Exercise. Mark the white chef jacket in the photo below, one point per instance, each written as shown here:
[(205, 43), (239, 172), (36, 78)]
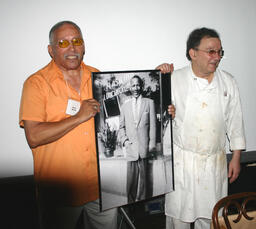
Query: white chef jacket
[(205, 114)]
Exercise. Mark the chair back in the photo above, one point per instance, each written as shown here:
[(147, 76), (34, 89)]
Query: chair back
[(236, 211)]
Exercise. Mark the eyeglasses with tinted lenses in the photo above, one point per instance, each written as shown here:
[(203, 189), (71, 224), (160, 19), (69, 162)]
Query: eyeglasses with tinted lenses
[(212, 52), (74, 41)]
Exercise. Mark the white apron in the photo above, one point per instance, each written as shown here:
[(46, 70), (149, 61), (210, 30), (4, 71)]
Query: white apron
[(200, 167)]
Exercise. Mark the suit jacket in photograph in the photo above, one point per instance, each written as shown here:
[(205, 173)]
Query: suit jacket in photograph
[(142, 134)]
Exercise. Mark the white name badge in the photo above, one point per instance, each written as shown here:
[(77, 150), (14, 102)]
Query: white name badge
[(73, 107)]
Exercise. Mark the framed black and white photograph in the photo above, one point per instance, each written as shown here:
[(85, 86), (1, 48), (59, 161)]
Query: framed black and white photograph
[(133, 135)]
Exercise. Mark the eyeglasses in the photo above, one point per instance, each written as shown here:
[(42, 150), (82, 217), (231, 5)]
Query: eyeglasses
[(212, 52), (74, 41)]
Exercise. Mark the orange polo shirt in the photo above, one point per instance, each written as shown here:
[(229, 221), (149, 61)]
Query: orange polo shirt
[(65, 170)]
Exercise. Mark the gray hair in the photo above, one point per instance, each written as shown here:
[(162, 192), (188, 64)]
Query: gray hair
[(58, 25)]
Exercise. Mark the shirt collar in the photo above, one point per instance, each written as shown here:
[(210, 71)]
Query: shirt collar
[(55, 72), (138, 99), (203, 83)]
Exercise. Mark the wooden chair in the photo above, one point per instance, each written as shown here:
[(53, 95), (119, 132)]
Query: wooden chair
[(238, 212)]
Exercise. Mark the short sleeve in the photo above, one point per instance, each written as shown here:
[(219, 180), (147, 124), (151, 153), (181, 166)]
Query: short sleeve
[(32, 106)]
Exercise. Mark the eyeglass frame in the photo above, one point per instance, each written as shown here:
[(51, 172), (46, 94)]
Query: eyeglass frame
[(70, 42), (212, 52)]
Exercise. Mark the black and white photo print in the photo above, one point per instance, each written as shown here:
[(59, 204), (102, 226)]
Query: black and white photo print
[(134, 163)]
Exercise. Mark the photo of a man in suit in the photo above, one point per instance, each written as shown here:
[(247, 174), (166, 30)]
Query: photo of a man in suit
[(138, 136)]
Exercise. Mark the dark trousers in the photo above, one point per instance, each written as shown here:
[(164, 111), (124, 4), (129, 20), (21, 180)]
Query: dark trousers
[(137, 179)]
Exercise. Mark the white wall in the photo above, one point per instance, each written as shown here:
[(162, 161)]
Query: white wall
[(119, 35)]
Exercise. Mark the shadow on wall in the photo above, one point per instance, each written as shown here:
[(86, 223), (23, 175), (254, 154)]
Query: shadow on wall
[(17, 203)]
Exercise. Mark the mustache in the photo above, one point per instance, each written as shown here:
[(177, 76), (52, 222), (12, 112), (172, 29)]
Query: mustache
[(215, 62), (74, 54)]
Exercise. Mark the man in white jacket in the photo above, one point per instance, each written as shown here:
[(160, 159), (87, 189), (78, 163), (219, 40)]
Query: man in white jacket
[(207, 110)]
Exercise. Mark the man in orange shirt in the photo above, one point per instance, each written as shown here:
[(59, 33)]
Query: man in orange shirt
[(57, 111)]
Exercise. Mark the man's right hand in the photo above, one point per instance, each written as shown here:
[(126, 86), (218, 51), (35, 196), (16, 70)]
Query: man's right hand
[(165, 68), (172, 111), (127, 143), (41, 133), (88, 109)]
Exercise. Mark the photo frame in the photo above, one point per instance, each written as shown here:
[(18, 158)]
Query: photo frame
[(133, 136)]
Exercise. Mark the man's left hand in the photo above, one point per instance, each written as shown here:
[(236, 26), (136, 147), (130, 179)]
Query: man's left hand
[(234, 166)]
